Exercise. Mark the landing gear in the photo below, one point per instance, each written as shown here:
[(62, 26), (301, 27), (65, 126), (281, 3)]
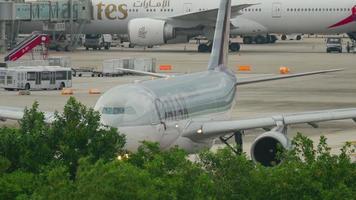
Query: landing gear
[(284, 37), (238, 140), (248, 40), (204, 48), (260, 39), (207, 47), (272, 39), (234, 47)]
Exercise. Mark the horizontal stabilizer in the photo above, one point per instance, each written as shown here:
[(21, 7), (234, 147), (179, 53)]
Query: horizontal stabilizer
[(246, 81)]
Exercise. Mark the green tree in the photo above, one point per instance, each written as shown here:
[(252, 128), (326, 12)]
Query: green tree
[(17, 185), (11, 147), (232, 175), (172, 174), (77, 133), (74, 134), (54, 183), (4, 164), (113, 180)]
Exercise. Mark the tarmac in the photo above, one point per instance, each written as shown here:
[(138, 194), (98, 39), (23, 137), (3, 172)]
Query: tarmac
[(329, 91)]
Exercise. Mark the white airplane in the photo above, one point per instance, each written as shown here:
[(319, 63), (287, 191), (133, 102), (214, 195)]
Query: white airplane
[(155, 22), (193, 110)]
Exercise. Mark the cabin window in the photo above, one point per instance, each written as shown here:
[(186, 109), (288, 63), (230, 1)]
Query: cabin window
[(61, 75), (31, 76), (45, 76), (2, 79), (9, 79)]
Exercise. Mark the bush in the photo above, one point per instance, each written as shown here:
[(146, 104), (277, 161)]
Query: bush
[(75, 158), (75, 134)]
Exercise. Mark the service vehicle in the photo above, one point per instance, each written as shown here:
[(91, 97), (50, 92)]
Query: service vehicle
[(97, 41), (35, 78), (333, 44)]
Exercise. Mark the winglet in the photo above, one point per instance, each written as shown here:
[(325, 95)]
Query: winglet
[(218, 58)]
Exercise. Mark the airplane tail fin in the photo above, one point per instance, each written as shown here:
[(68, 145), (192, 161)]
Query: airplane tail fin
[(218, 58)]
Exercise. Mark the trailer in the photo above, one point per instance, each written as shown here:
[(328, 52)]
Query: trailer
[(62, 61), (35, 78), (112, 67)]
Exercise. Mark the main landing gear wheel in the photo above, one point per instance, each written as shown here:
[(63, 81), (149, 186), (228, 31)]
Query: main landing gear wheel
[(260, 40), (238, 140), (247, 40), (204, 48), (27, 86), (284, 37), (234, 47), (272, 39)]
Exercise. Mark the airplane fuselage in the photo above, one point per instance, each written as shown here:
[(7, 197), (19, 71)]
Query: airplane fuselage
[(158, 110), (268, 16)]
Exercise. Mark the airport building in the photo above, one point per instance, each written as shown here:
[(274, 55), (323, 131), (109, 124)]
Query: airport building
[(57, 17)]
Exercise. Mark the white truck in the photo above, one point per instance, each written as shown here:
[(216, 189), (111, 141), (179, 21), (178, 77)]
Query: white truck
[(97, 41)]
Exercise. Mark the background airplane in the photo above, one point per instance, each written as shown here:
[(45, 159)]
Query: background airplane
[(193, 110), (155, 22)]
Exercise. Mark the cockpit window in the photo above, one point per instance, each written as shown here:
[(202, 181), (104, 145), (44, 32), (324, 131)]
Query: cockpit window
[(118, 110), (127, 105)]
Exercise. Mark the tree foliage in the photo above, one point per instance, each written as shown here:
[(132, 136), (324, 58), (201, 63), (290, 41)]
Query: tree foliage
[(75, 158), (75, 134)]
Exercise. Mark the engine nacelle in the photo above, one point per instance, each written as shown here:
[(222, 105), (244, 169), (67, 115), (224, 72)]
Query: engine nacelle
[(265, 148), (147, 32)]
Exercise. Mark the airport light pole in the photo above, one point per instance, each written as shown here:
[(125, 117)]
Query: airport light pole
[(71, 23), (2, 36)]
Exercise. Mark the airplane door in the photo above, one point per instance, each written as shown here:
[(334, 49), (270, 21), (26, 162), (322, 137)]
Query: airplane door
[(276, 10), (187, 7)]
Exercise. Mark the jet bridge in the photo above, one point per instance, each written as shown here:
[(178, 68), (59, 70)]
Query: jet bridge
[(55, 16)]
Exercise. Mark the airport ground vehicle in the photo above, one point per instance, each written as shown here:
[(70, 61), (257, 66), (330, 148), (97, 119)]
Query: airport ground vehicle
[(333, 44), (113, 67), (97, 41), (35, 78)]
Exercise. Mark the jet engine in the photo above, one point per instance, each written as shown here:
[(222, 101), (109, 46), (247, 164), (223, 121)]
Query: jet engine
[(265, 148), (148, 32)]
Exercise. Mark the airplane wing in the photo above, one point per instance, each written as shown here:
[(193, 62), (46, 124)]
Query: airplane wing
[(12, 113), (199, 131), (246, 81), (210, 14)]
